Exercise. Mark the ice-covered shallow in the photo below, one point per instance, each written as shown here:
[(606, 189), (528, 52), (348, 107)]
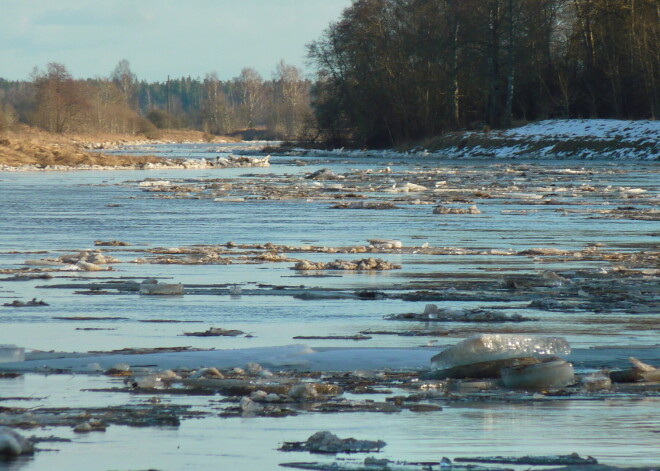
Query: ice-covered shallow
[(62, 212), (301, 357)]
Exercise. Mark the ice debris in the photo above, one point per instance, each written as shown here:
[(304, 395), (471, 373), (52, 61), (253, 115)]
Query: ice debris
[(326, 442), (13, 444), (90, 426), (639, 372), (434, 314), (440, 209), (386, 243), (152, 287), (349, 265), (572, 459), (215, 332), (598, 381), (31, 303)]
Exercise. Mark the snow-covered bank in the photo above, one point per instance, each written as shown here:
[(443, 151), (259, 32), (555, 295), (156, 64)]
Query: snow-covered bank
[(561, 139), (588, 139)]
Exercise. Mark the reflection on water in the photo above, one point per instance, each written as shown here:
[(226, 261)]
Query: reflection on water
[(617, 432)]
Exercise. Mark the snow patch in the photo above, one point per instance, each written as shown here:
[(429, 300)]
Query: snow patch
[(555, 139)]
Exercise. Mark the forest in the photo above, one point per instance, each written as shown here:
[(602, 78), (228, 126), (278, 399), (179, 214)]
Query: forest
[(392, 71), (388, 72), (247, 105)]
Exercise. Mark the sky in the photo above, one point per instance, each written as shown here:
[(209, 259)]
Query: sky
[(178, 38)]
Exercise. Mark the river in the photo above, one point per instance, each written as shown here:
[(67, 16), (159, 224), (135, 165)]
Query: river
[(46, 214)]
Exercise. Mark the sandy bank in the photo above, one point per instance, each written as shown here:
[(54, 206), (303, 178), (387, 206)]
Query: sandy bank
[(32, 149)]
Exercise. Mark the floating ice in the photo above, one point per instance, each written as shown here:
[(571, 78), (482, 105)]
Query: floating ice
[(491, 347), (171, 289), (153, 183), (13, 444), (386, 243)]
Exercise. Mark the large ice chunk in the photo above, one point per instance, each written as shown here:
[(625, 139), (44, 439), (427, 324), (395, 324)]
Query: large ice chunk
[(13, 444), (491, 347)]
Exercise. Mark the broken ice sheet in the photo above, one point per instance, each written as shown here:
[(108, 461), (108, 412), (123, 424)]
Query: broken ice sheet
[(327, 442)]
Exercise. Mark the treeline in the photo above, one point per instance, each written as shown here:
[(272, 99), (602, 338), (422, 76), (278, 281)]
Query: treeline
[(389, 71), (398, 70), (53, 100)]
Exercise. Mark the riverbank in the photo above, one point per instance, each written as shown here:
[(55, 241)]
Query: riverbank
[(27, 148), (30, 149), (580, 139), (560, 139)]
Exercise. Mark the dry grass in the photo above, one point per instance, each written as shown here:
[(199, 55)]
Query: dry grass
[(30, 146)]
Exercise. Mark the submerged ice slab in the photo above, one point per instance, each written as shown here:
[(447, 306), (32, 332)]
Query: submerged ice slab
[(552, 374), (11, 353), (287, 357), (303, 358)]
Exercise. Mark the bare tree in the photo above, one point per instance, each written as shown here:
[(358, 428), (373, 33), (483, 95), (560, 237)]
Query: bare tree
[(125, 80), (250, 93), (216, 116), (288, 110), (61, 101)]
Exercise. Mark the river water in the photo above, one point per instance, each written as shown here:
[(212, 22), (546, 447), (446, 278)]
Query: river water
[(62, 212)]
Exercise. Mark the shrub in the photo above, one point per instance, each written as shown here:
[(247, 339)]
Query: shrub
[(7, 117), (162, 119), (147, 128)]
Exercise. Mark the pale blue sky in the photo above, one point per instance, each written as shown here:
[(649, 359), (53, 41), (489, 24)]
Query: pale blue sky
[(159, 37)]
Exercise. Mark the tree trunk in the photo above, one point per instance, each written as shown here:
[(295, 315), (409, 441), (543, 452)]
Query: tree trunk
[(494, 89), (508, 103), (457, 88)]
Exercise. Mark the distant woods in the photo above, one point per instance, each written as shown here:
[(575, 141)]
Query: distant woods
[(389, 72), (248, 104), (399, 70)]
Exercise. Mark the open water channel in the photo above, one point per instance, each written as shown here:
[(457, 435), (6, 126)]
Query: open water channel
[(47, 214)]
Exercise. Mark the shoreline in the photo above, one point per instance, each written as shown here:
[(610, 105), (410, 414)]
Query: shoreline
[(31, 149), (549, 140), (584, 139), (160, 164), (576, 140)]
